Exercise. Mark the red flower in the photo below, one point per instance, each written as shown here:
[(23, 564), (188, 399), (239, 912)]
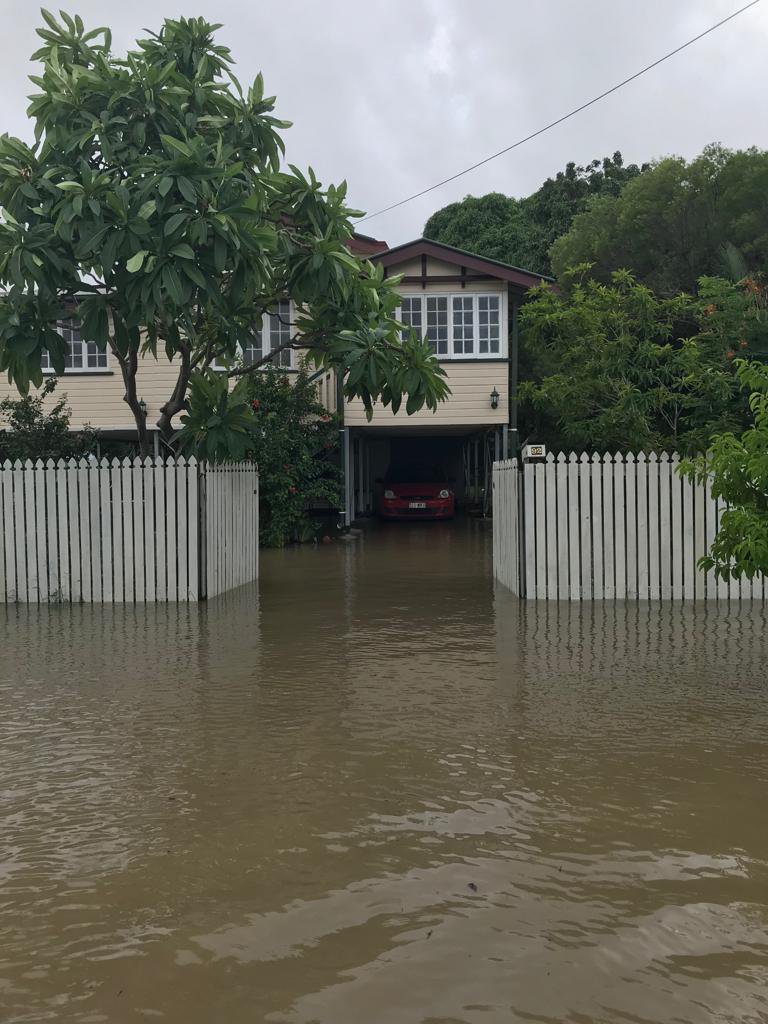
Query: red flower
[(730, 354), (292, 490), (742, 343), (255, 404)]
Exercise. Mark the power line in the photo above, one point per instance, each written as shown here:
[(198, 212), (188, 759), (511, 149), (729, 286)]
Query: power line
[(571, 113)]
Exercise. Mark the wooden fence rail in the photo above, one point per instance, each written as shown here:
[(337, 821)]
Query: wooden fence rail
[(125, 530), (604, 527)]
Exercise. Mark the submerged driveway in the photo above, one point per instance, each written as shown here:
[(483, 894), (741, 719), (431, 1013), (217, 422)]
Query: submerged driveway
[(376, 790)]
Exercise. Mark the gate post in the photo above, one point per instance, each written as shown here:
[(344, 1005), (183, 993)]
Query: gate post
[(202, 532)]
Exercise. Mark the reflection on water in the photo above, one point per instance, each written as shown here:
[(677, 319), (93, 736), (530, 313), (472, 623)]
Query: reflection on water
[(377, 792)]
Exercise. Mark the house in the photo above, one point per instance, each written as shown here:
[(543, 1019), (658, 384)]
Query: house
[(465, 304)]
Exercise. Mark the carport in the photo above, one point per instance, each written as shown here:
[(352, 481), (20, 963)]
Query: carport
[(465, 456)]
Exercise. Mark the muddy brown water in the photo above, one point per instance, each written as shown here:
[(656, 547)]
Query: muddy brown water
[(375, 791)]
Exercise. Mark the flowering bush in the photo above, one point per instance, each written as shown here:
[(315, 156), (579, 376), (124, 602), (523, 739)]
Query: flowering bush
[(295, 443)]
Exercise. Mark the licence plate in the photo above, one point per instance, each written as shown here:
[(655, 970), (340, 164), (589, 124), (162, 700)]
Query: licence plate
[(417, 504)]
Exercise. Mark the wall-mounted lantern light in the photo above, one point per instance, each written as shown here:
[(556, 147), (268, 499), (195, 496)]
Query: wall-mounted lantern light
[(143, 407), (495, 399)]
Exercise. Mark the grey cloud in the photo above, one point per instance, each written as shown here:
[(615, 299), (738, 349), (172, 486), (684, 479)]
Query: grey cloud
[(394, 96)]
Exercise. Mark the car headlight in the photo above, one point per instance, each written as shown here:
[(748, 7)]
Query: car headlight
[(389, 494), (444, 494)]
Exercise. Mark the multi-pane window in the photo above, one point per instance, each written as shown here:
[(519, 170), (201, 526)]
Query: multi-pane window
[(488, 324), (280, 332), (253, 350), (410, 313), (80, 355), (463, 324), (267, 334), (437, 323), (457, 326)]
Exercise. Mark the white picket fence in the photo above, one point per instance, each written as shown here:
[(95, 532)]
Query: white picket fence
[(604, 527), (125, 530)]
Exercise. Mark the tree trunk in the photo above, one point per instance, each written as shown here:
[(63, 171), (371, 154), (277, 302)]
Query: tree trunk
[(178, 398), (128, 367)]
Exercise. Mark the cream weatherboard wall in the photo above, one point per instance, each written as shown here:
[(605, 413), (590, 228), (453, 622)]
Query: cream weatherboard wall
[(96, 397), (469, 403)]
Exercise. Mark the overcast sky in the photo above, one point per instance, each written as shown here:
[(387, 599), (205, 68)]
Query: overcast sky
[(395, 94)]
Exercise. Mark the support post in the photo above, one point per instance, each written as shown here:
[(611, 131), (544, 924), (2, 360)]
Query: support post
[(505, 442), (513, 444), (348, 470)]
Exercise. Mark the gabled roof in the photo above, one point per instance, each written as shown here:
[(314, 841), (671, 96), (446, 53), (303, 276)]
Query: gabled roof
[(450, 254)]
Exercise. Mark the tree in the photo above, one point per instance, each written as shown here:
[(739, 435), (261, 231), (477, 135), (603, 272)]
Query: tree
[(676, 223), (521, 231), (153, 202), (615, 367), (32, 433), (737, 469)]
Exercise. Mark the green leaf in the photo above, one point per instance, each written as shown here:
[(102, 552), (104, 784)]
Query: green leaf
[(136, 261), (186, 252), (147, 209), (176, 144), (174, 222)]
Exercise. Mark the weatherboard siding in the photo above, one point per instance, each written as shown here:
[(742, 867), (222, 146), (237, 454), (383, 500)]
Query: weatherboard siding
[(469, 403)]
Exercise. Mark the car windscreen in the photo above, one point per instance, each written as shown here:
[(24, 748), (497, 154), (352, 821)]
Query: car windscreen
[(416, 474)]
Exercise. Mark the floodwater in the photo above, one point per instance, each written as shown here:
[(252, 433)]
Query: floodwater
[(375, 791)]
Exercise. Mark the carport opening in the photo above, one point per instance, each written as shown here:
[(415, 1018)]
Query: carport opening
[(461, 461)]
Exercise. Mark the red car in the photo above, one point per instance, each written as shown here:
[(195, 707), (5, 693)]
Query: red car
[(416, 496)]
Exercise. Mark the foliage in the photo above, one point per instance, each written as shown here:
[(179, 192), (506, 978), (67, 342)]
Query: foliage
[(153, 198), (32, 433), (677, 222), (218, 424), (616, 367), (296, 448), (275, 419), (521, 231), (737, 467)]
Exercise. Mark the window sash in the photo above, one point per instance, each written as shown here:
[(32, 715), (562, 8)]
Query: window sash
[(274, 329), (81, 356), (463, 326)]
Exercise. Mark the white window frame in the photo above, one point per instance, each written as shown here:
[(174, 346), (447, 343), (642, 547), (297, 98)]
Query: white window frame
[(267, 333), (87, 349), (475, 354)]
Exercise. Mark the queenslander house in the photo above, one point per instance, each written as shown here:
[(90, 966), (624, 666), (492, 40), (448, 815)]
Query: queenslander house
[(465, 305)]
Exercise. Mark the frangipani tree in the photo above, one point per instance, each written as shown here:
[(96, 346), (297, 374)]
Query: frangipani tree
[(153, 201)]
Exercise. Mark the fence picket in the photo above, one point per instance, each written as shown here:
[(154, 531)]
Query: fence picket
[(620, 473), (20, 538), (171, 546), (9, 546), (192, 531), (562, 534), (574, 511), (30, 530), (665, 529), (528, 531), (598, 545), (585, 503), (631, 531), (643, 556), (181, 529), (41, 532), (551, 520)]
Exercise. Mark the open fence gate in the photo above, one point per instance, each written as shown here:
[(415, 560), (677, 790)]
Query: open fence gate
[(604, 527)]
